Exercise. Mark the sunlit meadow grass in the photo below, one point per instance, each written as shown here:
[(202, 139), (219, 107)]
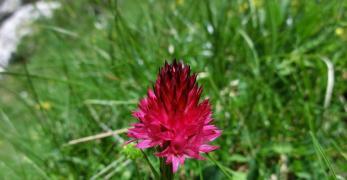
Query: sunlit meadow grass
[(263, 64)]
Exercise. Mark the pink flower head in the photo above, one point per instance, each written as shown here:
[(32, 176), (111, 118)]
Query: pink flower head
[(172, 118)]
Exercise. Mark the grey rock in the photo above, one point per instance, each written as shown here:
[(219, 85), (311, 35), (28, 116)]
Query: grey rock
[(17, 25)]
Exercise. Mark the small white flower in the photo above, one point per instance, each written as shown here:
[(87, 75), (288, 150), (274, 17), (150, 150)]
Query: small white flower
[(171, 49), (210, 28)]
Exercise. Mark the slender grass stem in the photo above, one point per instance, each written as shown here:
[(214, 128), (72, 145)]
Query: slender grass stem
[(155, 173)]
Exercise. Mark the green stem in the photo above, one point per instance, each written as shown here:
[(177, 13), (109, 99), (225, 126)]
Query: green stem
[(165, 170)]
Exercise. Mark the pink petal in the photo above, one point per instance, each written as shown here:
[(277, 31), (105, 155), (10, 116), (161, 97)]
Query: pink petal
[(207, 148), (138, 135), (209, 128), (143, 103), (138, 114), (169, 159), (210, 132), (181, 158), (216, 134), (175, 163), (151, 94), (138, 132), (166, 135), (193, 154), (145, 144), (164, 153)]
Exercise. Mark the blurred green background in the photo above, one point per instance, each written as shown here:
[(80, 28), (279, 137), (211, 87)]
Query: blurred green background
[(263, 64)]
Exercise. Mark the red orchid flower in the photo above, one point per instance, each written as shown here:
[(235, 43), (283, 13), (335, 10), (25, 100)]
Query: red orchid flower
[(173, 119)]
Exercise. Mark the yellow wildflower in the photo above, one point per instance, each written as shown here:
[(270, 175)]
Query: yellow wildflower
[(44, 105), (295, 3), (257, 3), (243, 7), (179, 2), (339, 31), (344, 75)]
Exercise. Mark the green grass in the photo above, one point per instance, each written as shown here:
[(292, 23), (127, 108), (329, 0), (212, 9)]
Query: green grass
[(260, 63)]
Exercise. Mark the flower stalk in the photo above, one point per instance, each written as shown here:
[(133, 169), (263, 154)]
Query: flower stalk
[(165, 170)]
